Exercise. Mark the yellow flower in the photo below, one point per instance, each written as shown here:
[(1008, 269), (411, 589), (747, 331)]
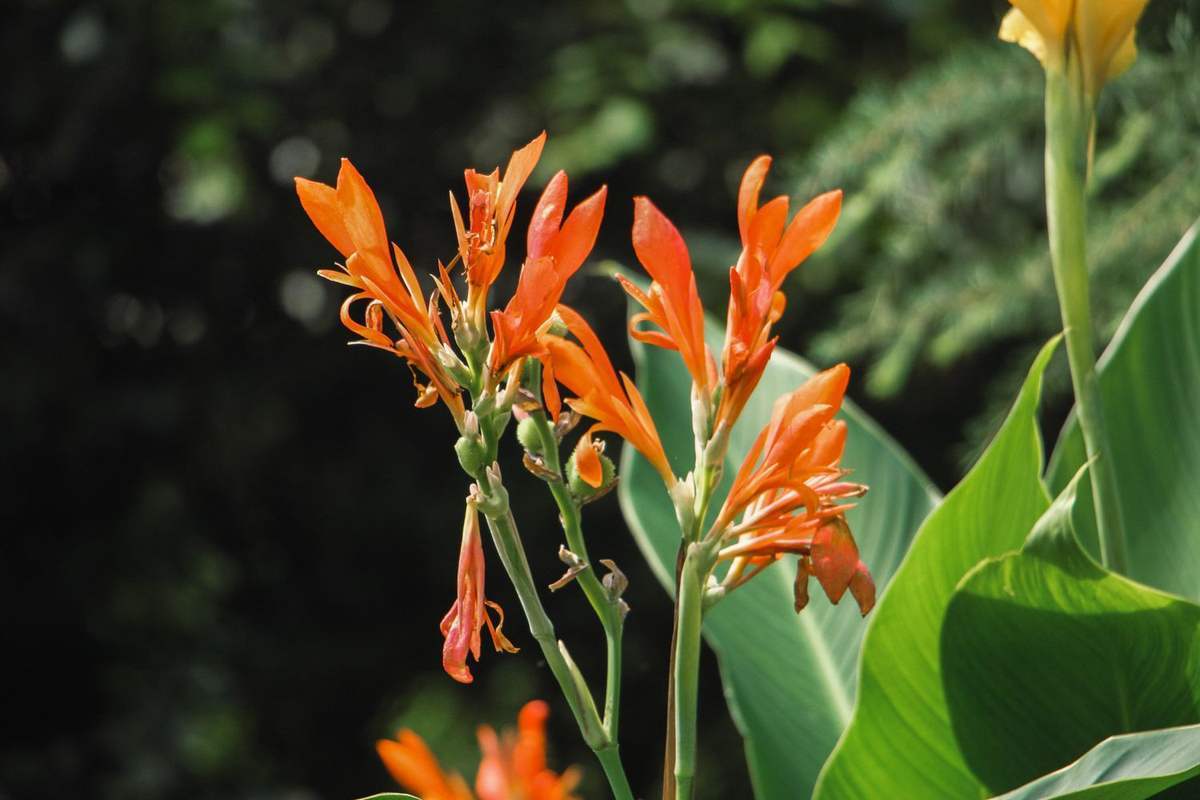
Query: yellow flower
[(1093, 37)]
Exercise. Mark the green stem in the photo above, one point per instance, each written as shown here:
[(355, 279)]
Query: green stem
[(607, 608), (610, 760), (687, 668), (1068, 131)]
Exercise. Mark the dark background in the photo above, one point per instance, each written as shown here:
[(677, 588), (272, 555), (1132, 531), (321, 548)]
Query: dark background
[(226, 540)]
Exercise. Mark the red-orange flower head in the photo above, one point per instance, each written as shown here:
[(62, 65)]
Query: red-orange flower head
[(789, 493), (615, 403), (514, 767), (491, 204), (465, 620), (672, 304), (349, 217), (416, 769), (771, 248), (555, 251)]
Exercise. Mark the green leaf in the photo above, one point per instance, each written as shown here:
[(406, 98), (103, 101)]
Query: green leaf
[(1045, 654), (1129, 767), (789, 678), (392, 796), (900, 737), (1150, 385)]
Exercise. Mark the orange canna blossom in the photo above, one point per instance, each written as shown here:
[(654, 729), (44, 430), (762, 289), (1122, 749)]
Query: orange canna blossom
[(789, 493), (513, 765), (672, 303), (349, 217), (465, 620), (415, 768), (555, 251), (491, 204), (615, 403), (514, 768), (771, 249)]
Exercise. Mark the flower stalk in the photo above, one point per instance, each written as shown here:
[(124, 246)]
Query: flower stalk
[(1069, 117)]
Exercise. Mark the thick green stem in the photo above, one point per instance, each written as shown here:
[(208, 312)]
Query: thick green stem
[(1068, 130), (687, 668)]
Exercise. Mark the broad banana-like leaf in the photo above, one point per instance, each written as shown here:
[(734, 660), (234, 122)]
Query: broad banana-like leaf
[(789, 679)]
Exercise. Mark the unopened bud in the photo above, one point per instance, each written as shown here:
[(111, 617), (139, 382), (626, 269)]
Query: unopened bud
[(528, 434), (583, 489), (471, 453)]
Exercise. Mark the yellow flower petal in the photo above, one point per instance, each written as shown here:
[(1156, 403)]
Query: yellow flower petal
[(1124, 58), (1017, 28)]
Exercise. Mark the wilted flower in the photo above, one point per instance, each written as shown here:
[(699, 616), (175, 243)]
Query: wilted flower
[(466, 618)]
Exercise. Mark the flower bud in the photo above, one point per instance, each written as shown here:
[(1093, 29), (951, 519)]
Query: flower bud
[(471, 454), (528, 435), (590, 473)]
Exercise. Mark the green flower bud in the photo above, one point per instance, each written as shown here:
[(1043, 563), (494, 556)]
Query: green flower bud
[(471, 454), (528, 436)]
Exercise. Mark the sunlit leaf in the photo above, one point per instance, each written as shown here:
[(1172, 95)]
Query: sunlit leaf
[(900, 737)]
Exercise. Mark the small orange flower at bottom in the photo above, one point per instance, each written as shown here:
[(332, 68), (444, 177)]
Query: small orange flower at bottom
[(513, 765), (465, 620), (414, 767)]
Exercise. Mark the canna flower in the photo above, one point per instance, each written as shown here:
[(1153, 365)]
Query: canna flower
[(491, 204), (415, 768), (672, 303), (789, 494), (514, 767), (1095, 38), (349, 217), (771, 249), (463, 622), (615, 404), (555, 251)]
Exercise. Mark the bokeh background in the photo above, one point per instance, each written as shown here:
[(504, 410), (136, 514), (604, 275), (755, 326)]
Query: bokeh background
[(226, 539)]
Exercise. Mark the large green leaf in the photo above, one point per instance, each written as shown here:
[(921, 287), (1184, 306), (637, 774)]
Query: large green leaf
[(789, 678), (1150, 383), (391, 796), (1045, 654), (1129, 767), (900, 741)]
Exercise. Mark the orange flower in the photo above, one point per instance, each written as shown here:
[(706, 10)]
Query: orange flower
[(673, 304), (415, 768), (491, 204), (614, 403), (463, 622), (515, 768), (555, 251), (771, 249), (789, 492), (349, 217)]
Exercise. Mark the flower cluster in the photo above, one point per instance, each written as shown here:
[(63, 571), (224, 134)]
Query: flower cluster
[(513, 765)]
